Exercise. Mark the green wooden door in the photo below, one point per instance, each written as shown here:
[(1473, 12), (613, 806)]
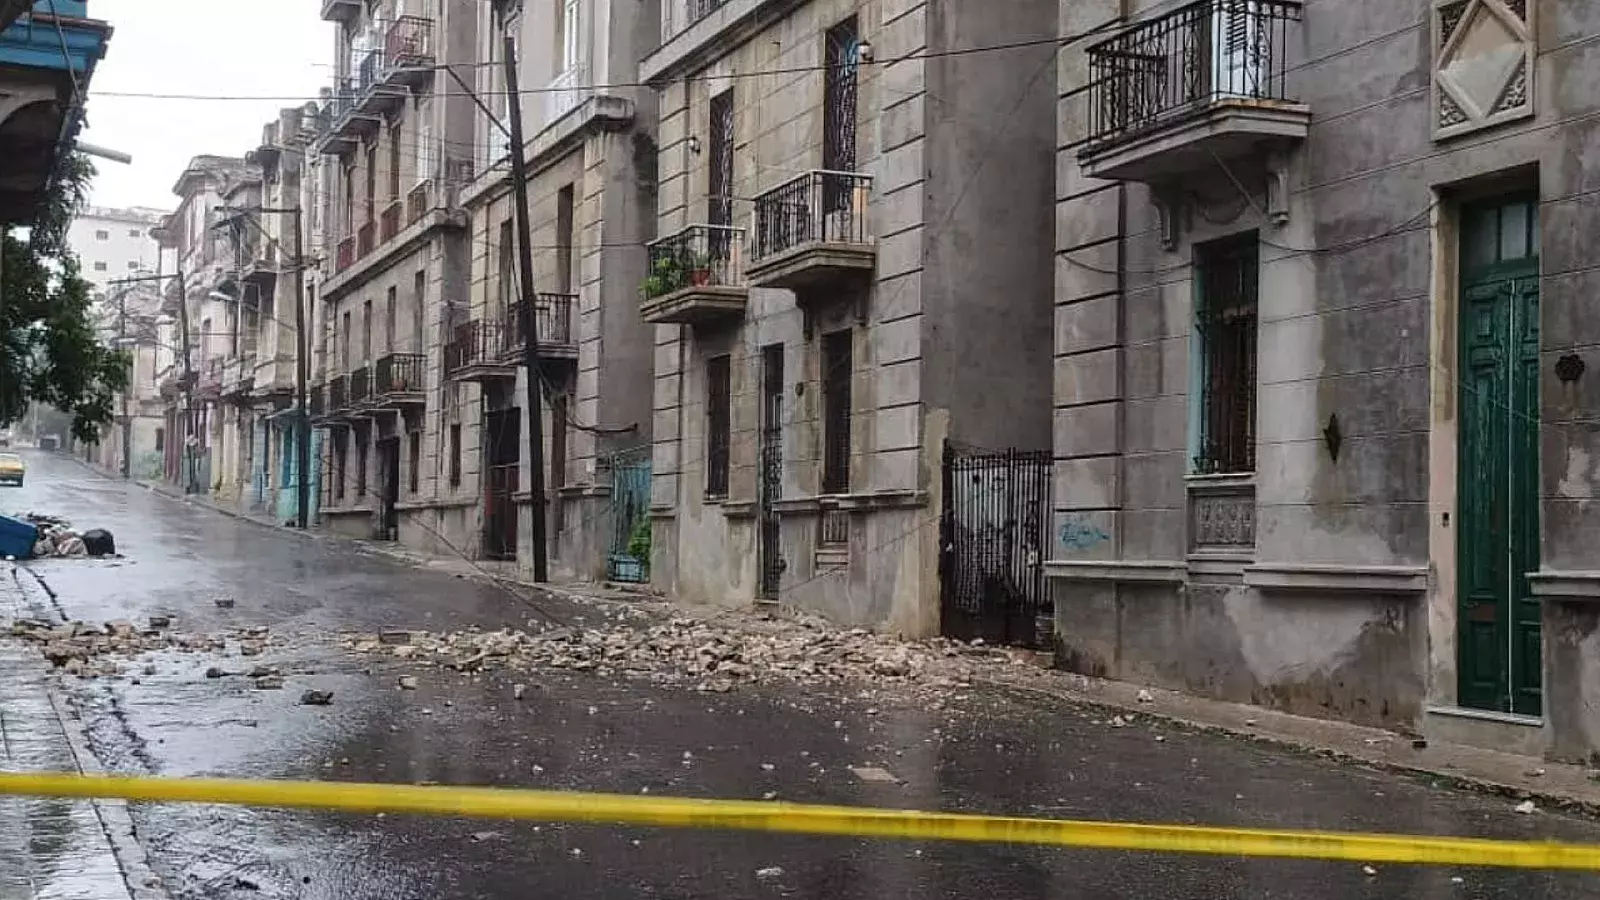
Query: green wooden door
[(1499, 653)]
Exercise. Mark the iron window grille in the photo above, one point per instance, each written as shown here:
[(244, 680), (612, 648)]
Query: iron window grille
[(719, 415), (719, 203), (1228, 275), (841, 58), (837, 364)]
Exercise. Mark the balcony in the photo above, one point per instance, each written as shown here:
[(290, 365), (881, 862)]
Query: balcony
[(564, 93), (389, 221), (347, 254), (552, 315), (238, 375), (360, 387), (418, 201), (473, 353), (408, 53), (811, 234), (341, 10), (366, 238), (696, 276), (398, 380), (679, 16), (208, 385), (338, 391), (357, 113), (317, 395), (1209, 81), (332, 138)]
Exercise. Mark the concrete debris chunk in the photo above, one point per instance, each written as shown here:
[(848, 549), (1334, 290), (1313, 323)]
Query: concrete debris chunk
[(316, 698)]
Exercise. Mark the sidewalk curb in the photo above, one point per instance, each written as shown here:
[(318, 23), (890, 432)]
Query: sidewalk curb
[(1279, 734), (115, 822)]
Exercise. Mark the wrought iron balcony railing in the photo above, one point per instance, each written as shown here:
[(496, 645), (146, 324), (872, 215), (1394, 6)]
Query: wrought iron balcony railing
[(698, 256), (360, 385), (552, 316), (399, 373), (817, 207), (409, 42), (471, 343), (1171, 68), (338, 393)]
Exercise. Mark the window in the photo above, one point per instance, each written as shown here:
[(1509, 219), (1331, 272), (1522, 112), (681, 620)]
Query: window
[(841, 55), (506, 266), (424, 138), (134, 233), (1227, 277), (99, 267), (361, 467), (372, 183), (719, 200), (455, 455), (415, 452), (395, 131), (349, 223), (133, 265), (564, 227), (344, 344), (102, 235), (391, 318), (366, 331), (161, 439), (719, 414), (419, 298), (837, 365), (567, 35)]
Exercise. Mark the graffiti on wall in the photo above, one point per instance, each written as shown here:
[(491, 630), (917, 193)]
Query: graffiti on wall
[(1079, 533)]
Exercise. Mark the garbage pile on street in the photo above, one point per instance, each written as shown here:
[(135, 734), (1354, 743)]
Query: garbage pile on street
[(56, 537), (713, 655)]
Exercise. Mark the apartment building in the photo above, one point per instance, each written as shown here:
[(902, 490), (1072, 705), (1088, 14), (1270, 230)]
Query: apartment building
[(395, 139), (132, 444), (589, 156), (849, 288), (1322, 438), (271, 278), (205, 324), (115, 243)]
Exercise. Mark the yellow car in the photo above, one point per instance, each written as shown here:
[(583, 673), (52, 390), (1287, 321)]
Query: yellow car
[(12, 469)]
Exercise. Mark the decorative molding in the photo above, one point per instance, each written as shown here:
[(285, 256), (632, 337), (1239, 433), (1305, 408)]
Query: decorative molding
[(1222, 513), (739, 509), (1283, 576), (1566, 584), (1483, 64), (1157, 571)]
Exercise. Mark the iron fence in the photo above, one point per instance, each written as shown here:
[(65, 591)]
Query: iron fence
[(399, 373), (339, 393), (698, 256), (1177, 65), (819, 206)]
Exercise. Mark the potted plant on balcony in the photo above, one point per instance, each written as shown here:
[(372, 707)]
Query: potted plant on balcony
[(700, 270), (666, 276)]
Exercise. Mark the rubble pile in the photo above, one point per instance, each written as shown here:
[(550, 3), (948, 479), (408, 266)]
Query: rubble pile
[(713, 655), (79, 648)]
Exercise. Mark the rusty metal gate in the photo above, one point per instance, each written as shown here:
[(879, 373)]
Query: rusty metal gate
[(992, 532), (502, 458)]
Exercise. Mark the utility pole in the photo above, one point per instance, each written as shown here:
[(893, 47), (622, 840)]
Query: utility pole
[(530, 336), (302, 374), (191, 472), (133, 378)]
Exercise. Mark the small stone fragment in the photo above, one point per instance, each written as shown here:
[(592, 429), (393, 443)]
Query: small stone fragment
[(1145, 696), (316, 698), (224, 603), (160, 621), (1368, 871), (394, 637), (407, 682), (269, 683), (215, 672), (517, 690), (1525, 807), (769, 873)]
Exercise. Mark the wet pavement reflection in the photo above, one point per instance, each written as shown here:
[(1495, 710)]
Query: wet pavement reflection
[(986, 751)]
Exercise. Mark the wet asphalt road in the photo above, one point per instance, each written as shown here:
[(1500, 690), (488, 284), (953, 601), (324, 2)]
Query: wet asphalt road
[(987, 752)]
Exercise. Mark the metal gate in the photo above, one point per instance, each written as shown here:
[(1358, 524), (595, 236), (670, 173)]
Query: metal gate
[(993, 529), (502, 455), (771, 476), (628, 558)]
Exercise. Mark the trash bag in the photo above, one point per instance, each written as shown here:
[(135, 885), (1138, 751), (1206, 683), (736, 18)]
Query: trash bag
[(99, 542), (71, 546)]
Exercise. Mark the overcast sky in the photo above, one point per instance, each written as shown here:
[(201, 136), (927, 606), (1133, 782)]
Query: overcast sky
[(234, 48)]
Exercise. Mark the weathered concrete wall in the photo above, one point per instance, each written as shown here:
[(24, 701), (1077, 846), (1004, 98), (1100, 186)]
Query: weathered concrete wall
[(1359, 320)]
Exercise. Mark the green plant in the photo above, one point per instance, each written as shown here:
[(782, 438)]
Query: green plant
[(666, 275), (639, 539)]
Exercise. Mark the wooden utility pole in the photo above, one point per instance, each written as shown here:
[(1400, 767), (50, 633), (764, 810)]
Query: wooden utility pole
[(530, 335)]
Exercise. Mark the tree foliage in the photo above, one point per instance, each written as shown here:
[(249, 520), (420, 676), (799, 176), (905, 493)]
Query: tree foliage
[(49, 352)]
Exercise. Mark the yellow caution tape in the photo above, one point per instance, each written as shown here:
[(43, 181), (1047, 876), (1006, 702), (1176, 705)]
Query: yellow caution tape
[(795, 818)]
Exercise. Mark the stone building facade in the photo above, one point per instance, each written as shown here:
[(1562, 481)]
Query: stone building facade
[(590, 213), (395, 137), (848, 273), (1322, 429)]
